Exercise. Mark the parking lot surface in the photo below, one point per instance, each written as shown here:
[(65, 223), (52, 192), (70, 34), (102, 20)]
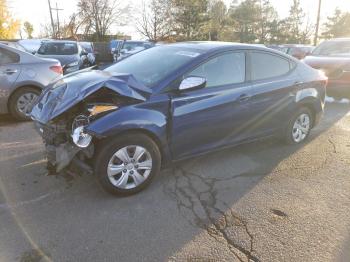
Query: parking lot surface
[(263, 201)]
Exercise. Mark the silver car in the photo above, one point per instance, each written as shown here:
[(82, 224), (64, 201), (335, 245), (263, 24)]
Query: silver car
[(22, 77)]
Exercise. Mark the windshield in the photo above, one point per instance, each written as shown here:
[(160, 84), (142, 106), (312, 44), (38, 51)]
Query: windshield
[(52, 48), (154, 64), (334, 48)]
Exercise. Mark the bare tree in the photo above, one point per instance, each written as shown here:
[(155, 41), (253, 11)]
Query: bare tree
[(155, 21), (98, 16), (70, 29)]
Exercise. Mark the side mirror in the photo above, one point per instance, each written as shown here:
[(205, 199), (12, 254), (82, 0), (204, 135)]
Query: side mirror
[(193, 82)]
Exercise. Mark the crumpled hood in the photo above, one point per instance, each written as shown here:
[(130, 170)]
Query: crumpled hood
[(70, 90)]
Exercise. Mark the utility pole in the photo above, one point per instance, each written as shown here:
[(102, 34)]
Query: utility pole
[(318, 22), (52, 24), (58, 20)]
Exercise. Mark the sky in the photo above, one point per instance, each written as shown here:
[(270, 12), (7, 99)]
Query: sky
[(37, 11)]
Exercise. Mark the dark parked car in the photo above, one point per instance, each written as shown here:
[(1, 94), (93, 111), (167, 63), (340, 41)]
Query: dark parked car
[(333, 58), (172, 102), (90, 53), (297, 51), (126, 48), (69, 53)]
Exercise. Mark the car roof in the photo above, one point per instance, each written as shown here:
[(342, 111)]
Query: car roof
[(60, 41), (296, 45), (209, 46), (341, 39), (136, 41)]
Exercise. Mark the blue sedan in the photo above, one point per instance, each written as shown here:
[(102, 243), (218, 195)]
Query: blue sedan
[(173, 102)]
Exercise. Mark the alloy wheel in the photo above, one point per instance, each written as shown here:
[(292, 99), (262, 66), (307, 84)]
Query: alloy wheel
[(301, 128), (25, 103), (129, 167)]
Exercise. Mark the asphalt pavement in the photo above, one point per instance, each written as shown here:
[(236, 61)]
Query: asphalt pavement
[(264, 201)]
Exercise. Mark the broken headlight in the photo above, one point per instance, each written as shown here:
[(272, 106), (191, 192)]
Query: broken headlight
[(98, 109), (79, 136)]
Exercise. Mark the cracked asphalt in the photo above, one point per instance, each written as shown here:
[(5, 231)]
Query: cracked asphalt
[(263, 201)]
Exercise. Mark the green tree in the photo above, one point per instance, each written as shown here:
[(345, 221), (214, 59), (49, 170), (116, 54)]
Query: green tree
[(254, 21), (337, 25), (267, 22), (28, 28), (9, 27), (218, 20), (189, 18), (296, 29), (245, 20)]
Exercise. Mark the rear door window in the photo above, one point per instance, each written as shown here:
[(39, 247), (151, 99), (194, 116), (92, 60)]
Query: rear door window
[(8, 57), (265, 65), (58, 48)]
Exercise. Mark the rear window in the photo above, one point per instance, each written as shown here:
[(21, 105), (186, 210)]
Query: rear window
[(58, 49), (8, 57), (264, 66)]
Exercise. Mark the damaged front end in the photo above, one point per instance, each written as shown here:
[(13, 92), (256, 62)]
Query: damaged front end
[(66, 109), (65, 147)]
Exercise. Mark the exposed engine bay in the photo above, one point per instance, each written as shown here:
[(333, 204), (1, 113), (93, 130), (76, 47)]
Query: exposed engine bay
[(67, 143), (65, 137)]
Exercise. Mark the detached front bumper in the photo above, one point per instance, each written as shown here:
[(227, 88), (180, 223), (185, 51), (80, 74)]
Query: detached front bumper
[(61, 153)]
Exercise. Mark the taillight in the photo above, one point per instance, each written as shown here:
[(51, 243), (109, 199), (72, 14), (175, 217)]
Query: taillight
[(57, 69)]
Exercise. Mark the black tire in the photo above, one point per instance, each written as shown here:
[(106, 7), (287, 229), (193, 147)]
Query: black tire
[(108, 148), (289, 130), (12, 104)]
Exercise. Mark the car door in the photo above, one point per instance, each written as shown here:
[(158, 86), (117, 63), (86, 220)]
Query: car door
[(9, 70), (274, 85), (211, 117)]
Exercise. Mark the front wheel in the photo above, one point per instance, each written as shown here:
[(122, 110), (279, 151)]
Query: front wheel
[(127, 164), (299, 127)]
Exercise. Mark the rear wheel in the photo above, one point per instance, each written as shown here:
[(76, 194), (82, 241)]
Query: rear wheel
[(127, 164), (22, 101), (299, 127)]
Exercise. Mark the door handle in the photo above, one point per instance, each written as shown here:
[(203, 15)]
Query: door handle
[(298, 83), (243, 98), (10, 71)]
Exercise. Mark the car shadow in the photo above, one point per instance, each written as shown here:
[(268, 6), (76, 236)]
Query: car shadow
[(186, 199), (6, 119), (206, 188)]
